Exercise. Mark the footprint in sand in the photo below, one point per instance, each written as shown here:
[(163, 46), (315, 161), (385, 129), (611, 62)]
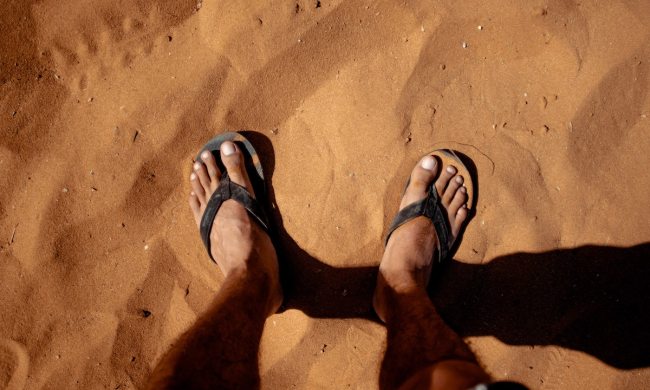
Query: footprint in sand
[(104, 38), (14, 365)]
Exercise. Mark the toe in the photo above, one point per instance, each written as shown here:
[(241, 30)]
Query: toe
[(459, 199), (421, 178), (461, 216), (211, 165), (198, 189), (195, 205), (451, 190), (233, 159), (202, 173), (444, 178)]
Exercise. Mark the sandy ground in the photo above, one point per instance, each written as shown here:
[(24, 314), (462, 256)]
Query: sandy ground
[(103, 105)]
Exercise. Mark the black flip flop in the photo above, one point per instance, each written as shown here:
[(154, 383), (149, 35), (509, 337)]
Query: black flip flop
[(431, 208), (227, 189)]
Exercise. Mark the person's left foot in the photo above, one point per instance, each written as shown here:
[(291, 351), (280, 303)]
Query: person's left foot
[(238, 244), (408, 257)]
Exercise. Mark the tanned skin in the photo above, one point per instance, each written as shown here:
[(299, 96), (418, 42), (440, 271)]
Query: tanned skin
[(221, 349)]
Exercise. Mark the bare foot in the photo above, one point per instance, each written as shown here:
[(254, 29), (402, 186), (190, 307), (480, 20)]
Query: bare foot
[(408, 257), (238, 244)]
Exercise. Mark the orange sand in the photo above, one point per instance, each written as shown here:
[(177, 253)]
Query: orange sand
[(104, 104)]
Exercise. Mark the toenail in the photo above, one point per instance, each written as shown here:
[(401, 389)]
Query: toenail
[(228, 148), (428, 163), (459, 180), (193, 177), (451, 169), (197, 166), (205, 155), (463, 190)]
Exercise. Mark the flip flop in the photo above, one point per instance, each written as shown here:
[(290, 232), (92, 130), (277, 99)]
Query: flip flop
[(431, 207), (228, 189)]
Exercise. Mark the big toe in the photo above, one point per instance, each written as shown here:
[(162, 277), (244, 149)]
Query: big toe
[(233, 160), (421, 178)]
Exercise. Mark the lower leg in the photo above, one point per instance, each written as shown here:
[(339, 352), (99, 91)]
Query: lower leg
[(221, 349), (422, 351)]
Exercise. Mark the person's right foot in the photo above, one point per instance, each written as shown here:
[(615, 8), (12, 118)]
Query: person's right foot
[(238, 244), (408, 257)]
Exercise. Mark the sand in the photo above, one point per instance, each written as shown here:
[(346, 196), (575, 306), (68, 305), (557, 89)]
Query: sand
[(104, 104)]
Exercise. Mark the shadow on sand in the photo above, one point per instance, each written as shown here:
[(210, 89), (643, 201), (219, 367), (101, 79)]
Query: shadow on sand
[(592, 299)]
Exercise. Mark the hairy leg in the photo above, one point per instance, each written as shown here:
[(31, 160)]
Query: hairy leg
[(221, 349), (422, 351)]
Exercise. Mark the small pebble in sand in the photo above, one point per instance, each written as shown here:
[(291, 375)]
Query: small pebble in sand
[(146, 247), (64, 190), (443, 66), (465, 45), (479, 27), (422, 28)]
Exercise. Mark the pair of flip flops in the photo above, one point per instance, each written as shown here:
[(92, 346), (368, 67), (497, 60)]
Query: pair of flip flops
[(429, 207)]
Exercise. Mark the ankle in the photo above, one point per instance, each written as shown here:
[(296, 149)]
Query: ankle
[(256, 260), (394, 291), (260, 274), (401, 280), (247, 272)]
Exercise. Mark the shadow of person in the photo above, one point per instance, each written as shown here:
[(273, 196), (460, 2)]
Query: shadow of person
[(592, 299)]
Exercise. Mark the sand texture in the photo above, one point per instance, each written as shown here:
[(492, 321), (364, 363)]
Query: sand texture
[(103, 105)]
